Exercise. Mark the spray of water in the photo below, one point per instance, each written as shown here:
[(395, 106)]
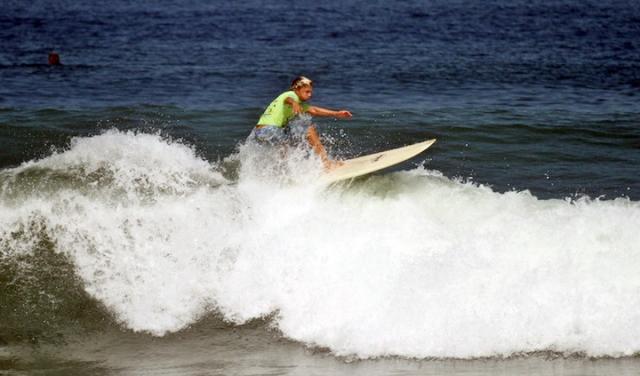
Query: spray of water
[(408, 264)]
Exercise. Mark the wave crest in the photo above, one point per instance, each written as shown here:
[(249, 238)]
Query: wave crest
[(408, 264)]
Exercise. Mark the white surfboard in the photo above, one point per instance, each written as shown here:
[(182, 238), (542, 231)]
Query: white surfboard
[(373, 162)]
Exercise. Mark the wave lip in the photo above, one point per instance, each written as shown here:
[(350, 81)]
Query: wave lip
[(409, 264), (438, 268)]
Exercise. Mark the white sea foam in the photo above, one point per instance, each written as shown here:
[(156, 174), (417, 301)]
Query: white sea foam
[(410, 264)]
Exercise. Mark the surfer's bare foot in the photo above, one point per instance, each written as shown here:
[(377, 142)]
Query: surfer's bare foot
[(332, 164)]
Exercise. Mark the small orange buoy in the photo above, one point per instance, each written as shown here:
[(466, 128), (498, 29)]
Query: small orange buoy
[(54, 58)]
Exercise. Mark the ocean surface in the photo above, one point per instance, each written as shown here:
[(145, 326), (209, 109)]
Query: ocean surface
[(140, 233)]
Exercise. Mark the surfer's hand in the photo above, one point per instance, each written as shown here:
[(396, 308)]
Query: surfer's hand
[(343, 114), (297, 109)]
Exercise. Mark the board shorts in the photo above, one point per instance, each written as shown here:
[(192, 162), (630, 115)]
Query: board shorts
[(271, 135)]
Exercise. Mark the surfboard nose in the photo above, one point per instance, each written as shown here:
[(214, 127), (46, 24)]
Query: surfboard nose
[(352, 168)]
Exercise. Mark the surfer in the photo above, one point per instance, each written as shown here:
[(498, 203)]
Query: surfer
[(272, 127)]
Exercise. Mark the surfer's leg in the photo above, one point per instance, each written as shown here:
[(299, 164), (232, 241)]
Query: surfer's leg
[(314, 140)]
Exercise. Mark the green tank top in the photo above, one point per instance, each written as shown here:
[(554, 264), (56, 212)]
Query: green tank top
[(278, 113)]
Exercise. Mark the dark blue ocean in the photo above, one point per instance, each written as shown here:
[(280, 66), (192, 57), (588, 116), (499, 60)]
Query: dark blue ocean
[(538, 95), (134, 219)]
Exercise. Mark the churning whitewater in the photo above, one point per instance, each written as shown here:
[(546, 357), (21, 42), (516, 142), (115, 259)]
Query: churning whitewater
[(410, 264)]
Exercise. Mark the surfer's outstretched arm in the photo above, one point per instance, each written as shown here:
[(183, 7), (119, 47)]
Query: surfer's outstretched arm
[(319, 111)]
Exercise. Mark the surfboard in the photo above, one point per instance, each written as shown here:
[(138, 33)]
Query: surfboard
[(352, 168)]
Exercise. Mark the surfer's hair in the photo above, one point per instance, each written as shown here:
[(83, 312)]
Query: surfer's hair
[(300, 81)]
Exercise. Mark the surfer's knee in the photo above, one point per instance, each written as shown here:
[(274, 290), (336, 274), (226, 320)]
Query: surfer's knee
[(312, 133)]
